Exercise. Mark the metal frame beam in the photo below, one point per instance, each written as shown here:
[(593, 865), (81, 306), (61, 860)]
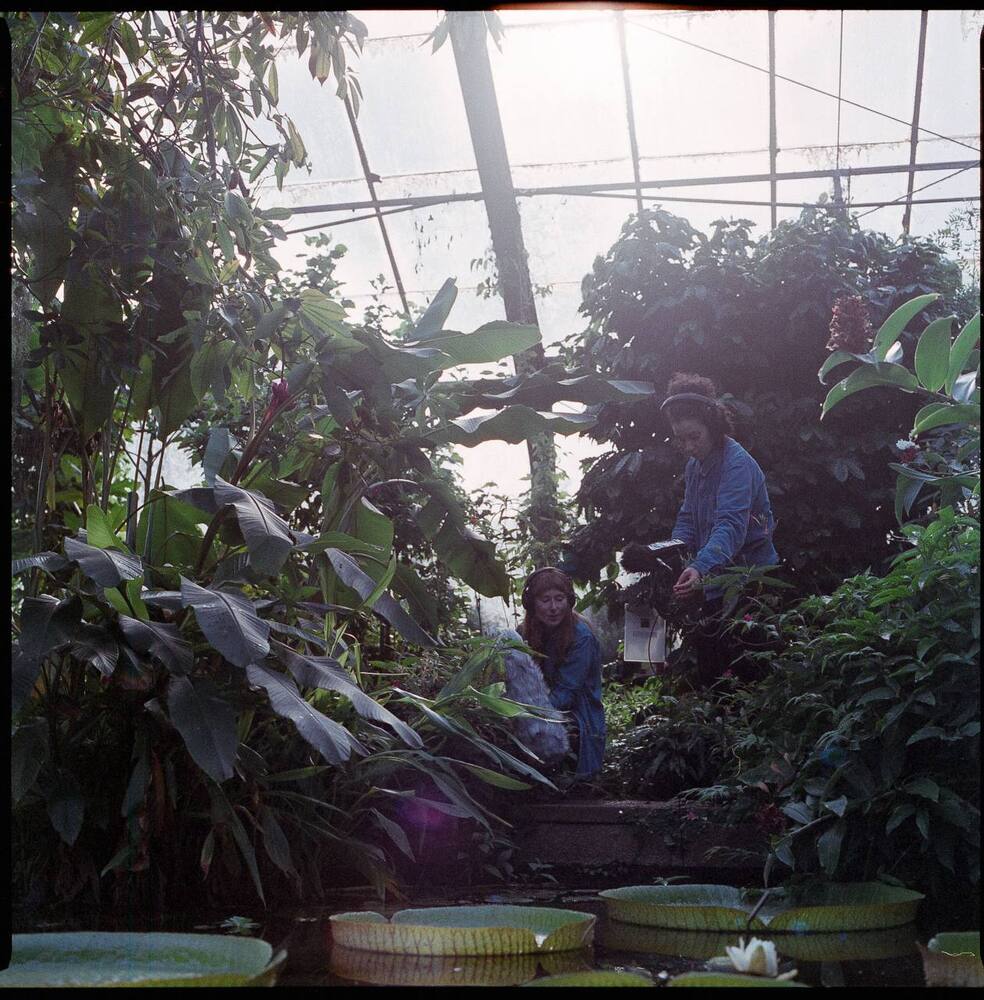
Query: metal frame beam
[(422, 201), (773, 140), (629, 109), (375, 204), (920, 62)]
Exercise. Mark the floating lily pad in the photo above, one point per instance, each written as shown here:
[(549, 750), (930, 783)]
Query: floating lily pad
[(383, 969), (93, 958), (953, 959), (598, 977), (727, 979), (683, 907), (848, 907), (465, 930), (824, 907)]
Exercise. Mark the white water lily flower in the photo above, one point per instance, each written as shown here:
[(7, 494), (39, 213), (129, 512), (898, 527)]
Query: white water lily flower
[(757, 958)]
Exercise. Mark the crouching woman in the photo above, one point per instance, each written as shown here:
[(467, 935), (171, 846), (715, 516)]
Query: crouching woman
[(571, 661)]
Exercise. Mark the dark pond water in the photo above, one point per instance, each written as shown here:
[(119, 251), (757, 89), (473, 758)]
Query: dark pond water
[(869, 958)]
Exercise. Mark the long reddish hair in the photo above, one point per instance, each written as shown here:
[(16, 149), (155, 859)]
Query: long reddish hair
[(533, 631)]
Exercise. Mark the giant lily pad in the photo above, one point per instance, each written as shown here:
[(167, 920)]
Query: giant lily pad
[(597, 977), (953, 959), (95, 958), (823, 907), (382, 969), (465, 930), (728, 979)]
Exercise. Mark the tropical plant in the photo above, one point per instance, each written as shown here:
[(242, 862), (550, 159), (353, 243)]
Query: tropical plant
[(866, 732), (190, 668), (945, 463), (668, 298)]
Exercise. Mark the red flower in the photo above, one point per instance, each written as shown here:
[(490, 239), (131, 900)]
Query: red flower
[(280, 393), (770, 819), (850, 328), (908, 450)]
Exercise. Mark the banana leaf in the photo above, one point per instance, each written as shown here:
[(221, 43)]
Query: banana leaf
[(91, 958), (465, 930)]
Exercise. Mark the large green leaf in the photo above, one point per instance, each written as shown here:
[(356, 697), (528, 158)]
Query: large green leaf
[(207, 724), (943, 414), (966, 341), (172, 390), (50, 562), (490, 342), (892, 328), (91, 307), (95, 646), (513, 424), (432, 322), (47, 623), (373, 527), (325, 672), (48, 229), (107, 567), (28, 754), (66, 808), (353, 576), (933, 353), (267, 535), (866, 377), (418, 596), (229, 622), (333, 741), (542, 389), (162, 641), (98, 958), (465, 930), (472, 559)]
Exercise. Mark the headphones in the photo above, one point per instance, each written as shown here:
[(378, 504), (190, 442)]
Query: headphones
[(693, 396), (527, 596)]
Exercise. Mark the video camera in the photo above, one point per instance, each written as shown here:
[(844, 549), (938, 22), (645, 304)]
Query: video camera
[(662, 562)]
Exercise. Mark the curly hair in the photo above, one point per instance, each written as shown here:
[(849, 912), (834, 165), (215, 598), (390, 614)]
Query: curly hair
[(714, 415)]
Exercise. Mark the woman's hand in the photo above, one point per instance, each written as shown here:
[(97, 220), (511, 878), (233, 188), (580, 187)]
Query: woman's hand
[(688, 584)]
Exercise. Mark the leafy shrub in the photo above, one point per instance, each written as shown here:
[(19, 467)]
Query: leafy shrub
[(866, 731), (684, 746)]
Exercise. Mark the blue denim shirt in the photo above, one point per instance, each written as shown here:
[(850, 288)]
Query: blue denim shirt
[(726, 517), (576, 687)]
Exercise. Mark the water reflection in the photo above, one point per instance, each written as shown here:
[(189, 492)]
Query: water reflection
[(381, 969), (839, 946)]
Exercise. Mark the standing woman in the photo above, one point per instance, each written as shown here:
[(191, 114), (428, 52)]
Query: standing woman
[(572, 660), (726, 517)]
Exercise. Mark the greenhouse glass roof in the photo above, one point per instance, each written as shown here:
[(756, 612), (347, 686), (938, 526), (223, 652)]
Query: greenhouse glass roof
[(701, 130)]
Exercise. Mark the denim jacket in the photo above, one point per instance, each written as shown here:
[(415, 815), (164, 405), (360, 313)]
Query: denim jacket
[(576, 687), (726, 517)]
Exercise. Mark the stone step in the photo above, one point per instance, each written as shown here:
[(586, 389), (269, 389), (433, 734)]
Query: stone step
[(671, 835)]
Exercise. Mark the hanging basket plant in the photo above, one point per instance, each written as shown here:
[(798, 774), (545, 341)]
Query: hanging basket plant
[(95, 958), (824, 907), (465, 930)]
